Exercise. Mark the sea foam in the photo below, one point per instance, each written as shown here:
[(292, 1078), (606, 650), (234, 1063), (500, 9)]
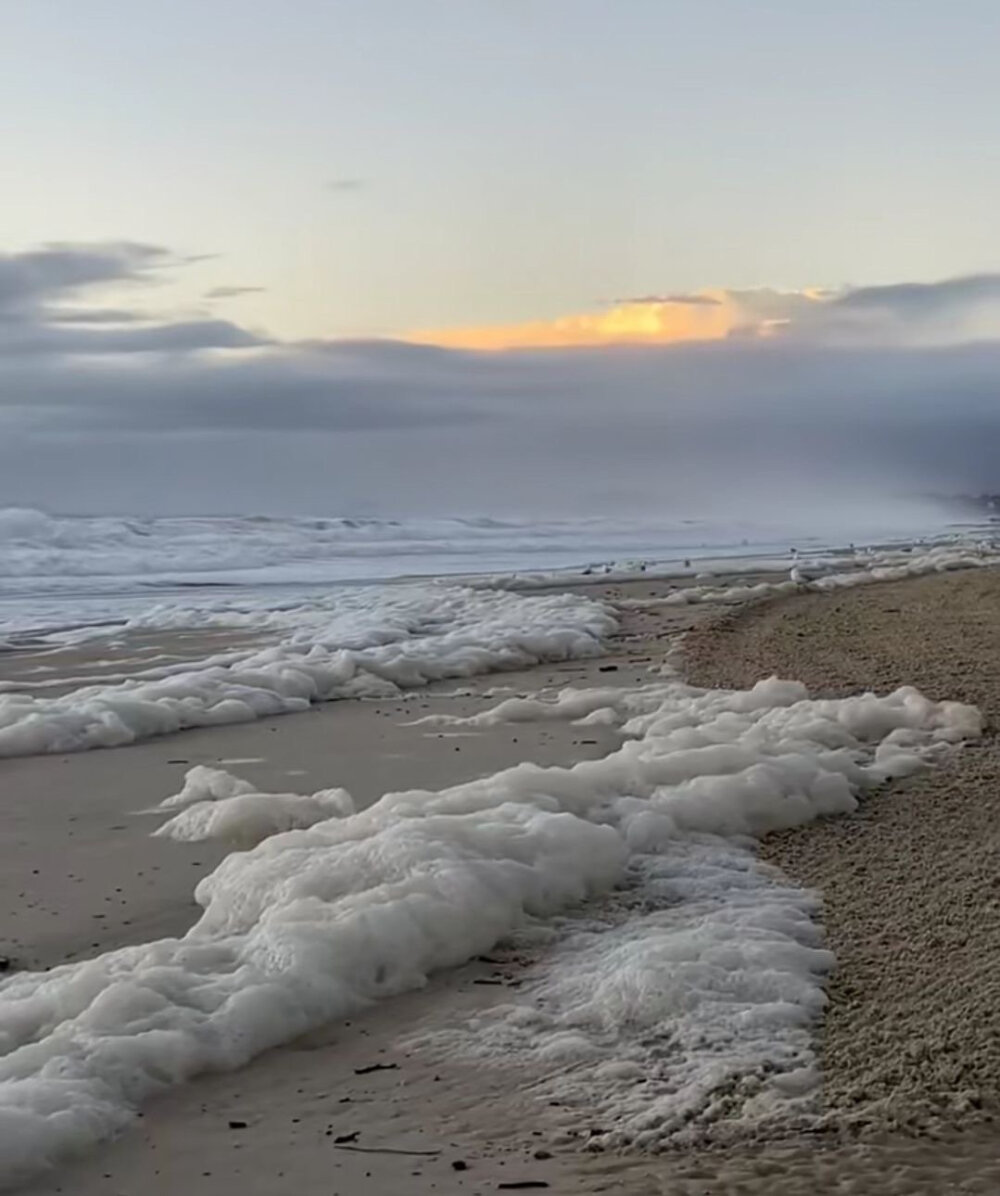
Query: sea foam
[(367, 643), (711, 956)]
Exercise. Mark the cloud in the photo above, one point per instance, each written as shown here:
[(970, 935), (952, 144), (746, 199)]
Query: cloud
[(185, 336), (922, 300), (36, 284), (709, 316), (34, 278), (943, 312), (345, 184), (951, 311), (232, 292), (694, 299), (94, 315), (755, 397), (393, 428)]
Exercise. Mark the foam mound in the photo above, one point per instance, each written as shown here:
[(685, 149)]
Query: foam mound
[(229, 810), (313, 924)]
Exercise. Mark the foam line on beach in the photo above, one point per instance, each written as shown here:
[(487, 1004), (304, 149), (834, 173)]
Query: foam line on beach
[(841, 570), (373, 644)]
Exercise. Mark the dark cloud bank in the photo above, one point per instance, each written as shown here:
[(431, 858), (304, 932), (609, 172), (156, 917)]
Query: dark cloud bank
[(103, 409)]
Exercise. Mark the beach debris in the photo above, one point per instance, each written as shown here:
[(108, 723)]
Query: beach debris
[(364, 1071), (237, 1125), (520, 1184), (541, 1155), (459, 1165), (343, 1138)]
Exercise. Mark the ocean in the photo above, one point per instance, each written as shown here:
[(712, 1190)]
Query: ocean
[(60, 572)]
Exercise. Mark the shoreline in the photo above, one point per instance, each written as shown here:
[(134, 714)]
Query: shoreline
[(688, 565), (147, 682), (906, 1043), (305, 749)]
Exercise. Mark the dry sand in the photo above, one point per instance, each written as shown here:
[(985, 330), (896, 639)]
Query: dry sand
[(909, 1045)]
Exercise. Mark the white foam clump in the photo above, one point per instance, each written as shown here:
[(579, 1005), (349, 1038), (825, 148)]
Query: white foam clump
[(227, 809), (364, 645), (313, 924), (202, 783)]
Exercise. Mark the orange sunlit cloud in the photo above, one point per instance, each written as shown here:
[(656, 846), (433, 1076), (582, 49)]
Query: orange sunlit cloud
[(706, 316)]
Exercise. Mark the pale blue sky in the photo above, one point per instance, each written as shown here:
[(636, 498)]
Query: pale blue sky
[(519, 159)]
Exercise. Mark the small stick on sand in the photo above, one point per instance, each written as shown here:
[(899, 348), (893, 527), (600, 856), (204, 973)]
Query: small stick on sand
[(364, 1071)]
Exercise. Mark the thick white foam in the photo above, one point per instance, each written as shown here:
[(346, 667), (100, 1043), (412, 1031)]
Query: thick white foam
[(312, 924), (225, 808), (366, 643)]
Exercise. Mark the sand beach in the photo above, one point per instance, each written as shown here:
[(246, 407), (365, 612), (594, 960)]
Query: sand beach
[(906, 1045)]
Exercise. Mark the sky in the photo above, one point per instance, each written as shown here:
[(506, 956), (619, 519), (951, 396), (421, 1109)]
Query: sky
[(531, 255)]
